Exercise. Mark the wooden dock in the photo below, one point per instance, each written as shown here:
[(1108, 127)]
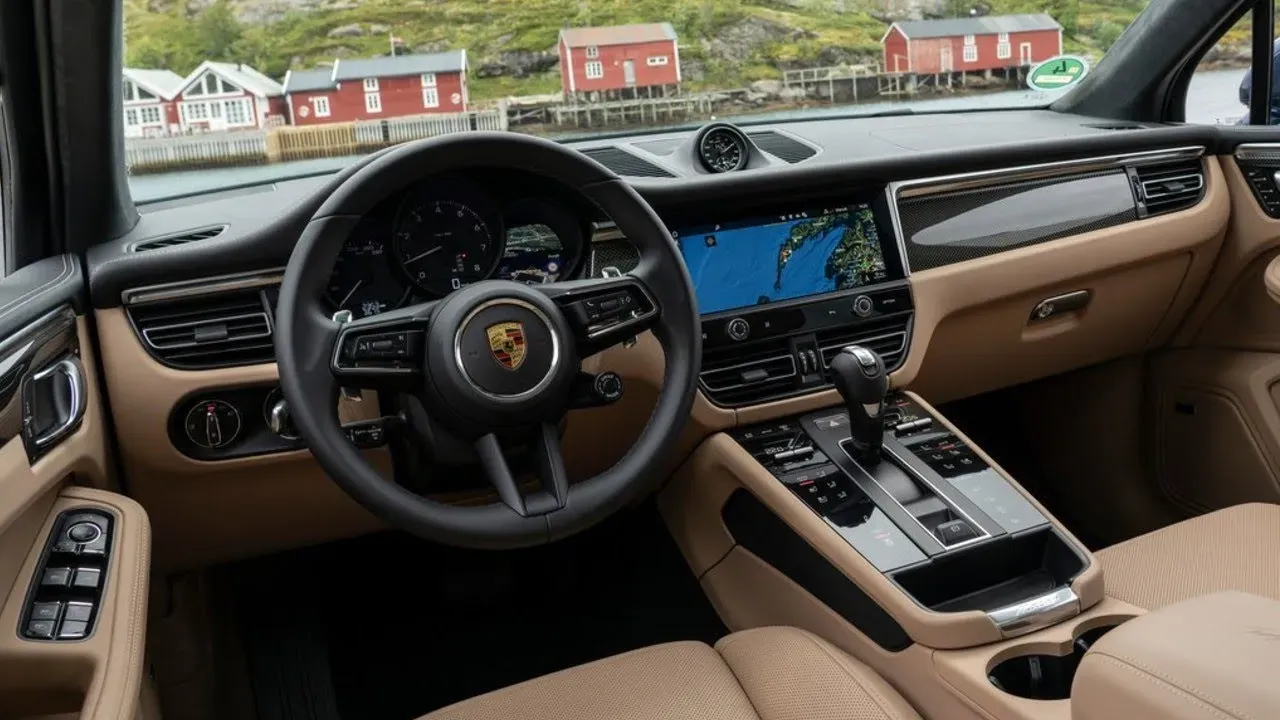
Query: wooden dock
[(635, 111)]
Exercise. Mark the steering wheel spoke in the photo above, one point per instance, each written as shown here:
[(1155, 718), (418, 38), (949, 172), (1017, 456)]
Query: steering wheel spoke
[(382, 352), (605, 312), (551, 473)]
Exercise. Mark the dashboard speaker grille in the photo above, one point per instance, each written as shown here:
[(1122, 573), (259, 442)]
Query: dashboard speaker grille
[(955, 226), (211, 331), (782, 146), (624, 163)]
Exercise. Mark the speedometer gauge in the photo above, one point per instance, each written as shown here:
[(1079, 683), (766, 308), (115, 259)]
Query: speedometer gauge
[(445, 243), (362, 280)]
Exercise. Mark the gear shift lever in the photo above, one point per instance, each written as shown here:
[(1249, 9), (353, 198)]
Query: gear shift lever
[(860, 377)]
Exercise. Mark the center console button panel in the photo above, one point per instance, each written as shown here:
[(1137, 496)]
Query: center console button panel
[(64, 597)]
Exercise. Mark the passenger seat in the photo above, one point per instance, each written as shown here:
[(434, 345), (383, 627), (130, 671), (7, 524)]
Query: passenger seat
[(1231, 549)]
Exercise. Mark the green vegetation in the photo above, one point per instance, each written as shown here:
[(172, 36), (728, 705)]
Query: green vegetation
[(723, 43)]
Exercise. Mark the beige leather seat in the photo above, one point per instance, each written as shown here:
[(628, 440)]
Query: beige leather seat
[(762, 674), (1231, 549)]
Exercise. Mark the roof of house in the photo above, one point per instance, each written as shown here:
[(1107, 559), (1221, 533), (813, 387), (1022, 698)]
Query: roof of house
[(442, 62), (305, 80), (162, 83), (242, 76), (991, 25), (617, 34)]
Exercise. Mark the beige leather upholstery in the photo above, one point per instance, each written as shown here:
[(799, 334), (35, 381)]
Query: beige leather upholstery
[(1210, 658), (1231, 549), (762, 674)]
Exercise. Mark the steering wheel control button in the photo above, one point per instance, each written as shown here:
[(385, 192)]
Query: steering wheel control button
[(212, 424), (84, 532), (506, 348), (738, 329), (608, 386), (384, 346), (862, 306)]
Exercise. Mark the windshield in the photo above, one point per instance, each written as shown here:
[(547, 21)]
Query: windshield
[(226, 93)]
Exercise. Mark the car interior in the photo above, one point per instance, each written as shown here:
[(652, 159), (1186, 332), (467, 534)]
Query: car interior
[(267, 455)]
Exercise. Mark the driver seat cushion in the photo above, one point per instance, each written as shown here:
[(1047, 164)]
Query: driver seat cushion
[(773, 673)]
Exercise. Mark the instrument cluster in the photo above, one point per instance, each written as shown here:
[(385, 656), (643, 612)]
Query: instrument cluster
[(444, 233)]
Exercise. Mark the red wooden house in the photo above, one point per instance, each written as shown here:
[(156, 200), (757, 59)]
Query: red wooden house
[(226, 96), (615, 59), (149, 110), (931, 47), (382, 87)]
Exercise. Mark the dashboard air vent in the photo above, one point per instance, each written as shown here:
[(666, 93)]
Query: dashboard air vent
[(887, 336), (207, 332), (749, 373), (179, 239), (1169, 187), (781, 146), (624, 163)]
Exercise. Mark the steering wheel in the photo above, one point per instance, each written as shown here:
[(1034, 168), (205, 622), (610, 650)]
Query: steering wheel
[(494, 362)]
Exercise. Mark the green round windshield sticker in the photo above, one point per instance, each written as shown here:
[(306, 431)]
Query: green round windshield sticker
[(1057, 73)]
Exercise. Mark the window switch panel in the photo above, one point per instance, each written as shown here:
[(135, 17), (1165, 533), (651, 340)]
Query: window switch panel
[(62, 601)]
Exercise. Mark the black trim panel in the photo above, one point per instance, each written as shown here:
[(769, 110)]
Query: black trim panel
[(766, 536)]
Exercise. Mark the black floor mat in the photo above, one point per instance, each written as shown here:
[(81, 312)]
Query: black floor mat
[(390, 627)]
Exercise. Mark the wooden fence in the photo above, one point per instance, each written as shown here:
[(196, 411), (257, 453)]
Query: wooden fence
[(281, 144)]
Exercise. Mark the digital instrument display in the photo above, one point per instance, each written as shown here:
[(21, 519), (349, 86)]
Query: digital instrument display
[(764, 260)]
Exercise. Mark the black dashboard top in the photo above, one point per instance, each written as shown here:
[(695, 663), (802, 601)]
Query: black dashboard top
[(263, 223)]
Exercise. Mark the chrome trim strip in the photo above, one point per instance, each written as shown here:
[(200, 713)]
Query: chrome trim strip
[(922, 186), (1038, 612), (891, 196), (266, 320), (1148, 197), (902, 347), (906, 467), (202, 286), (1258, 151)]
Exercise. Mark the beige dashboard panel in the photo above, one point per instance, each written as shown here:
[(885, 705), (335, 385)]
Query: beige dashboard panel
[(100, 677), (691, 505), (972, 331)]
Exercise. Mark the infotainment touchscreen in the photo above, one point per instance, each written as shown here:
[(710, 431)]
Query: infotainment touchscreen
[(782, 257)]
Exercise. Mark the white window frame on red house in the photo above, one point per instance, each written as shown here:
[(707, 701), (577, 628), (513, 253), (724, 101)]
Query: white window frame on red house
[(593, 51), (970, 53), (430, 97), (657, 60), (245, 107), (371, 85), (320, 106), (150, 110), (597, 66), (131, 117), (372, 102), (1004, 49), (428, 80)]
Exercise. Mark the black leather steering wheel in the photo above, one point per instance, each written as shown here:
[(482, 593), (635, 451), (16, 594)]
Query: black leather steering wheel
[(459, 355)]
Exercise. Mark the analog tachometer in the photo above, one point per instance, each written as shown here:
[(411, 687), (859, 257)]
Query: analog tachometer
[(445, 244)]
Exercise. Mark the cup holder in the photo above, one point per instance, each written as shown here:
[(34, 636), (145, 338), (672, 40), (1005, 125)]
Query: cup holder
[(1044, 677)]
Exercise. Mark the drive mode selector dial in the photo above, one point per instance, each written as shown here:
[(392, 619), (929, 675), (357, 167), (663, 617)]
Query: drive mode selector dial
[(212, 424), (738, 329)]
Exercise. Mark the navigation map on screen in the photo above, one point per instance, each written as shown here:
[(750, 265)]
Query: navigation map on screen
[(741, 264)]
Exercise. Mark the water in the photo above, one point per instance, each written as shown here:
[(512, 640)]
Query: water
[(1212, 97)]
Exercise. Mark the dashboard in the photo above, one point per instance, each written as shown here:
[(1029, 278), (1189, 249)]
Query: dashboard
[(446, 232)]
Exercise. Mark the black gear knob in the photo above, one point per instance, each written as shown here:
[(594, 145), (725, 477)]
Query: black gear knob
[(859, 375)]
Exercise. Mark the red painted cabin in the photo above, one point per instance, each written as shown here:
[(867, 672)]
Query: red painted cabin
[(224, 96), (931, 47), (377, 88), (614, 59)]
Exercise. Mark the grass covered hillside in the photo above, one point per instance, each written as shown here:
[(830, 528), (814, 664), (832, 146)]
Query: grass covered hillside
[(723, 43)]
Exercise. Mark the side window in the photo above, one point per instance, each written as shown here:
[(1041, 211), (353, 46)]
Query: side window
[(1220, 88)]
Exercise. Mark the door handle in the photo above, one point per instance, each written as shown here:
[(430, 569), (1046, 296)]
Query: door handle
[(50, 413)]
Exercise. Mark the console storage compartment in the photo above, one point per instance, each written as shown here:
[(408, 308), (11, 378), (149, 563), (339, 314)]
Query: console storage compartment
[(994, 574)]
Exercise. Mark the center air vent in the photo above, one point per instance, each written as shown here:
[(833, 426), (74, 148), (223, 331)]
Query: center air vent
[(782, 146), (1168, 188), (754, 372), (179, 239), (624, 163), (207, 332)]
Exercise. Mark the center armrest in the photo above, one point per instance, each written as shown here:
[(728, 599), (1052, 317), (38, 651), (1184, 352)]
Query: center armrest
[(1213, 656)]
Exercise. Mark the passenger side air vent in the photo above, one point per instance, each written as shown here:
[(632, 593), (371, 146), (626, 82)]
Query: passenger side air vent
[(212, 331), (782, 146), (624, 163), (179, 239), (887, 336), (1167, 188), (748, 373)]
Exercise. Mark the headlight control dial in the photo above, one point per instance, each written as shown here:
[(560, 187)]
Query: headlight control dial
[(212, 424)]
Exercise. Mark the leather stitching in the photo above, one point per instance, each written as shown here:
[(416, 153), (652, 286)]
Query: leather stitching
[(1160, 680), (28, 296)]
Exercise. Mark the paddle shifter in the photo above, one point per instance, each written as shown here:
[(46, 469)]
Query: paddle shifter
[(860, 377)]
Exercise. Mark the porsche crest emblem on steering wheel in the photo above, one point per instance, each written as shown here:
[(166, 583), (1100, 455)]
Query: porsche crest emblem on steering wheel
[(506, 341)]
